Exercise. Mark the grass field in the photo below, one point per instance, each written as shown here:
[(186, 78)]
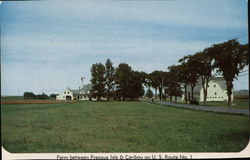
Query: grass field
[(237, 103), (119, 127), (34, 101), (11, 97)]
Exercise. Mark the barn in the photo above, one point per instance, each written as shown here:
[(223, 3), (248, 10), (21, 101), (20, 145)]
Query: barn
[(217, 91)]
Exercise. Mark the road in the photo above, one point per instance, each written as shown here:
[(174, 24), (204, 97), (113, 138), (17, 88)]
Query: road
[(199, 107)]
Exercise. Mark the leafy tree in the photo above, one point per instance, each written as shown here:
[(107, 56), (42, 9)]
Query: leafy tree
[(122, 79), (42, 96), (109, 78), (135, 85), (182, 75), (152, 81), (98, 80), (129, 82), (205, 67), (172, 85), (149, 93), (190, 63), (157, 81), (29, 95), (230, 58)]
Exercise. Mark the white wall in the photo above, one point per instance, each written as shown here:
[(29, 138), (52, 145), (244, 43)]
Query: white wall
[(63, 95), (215, 93)]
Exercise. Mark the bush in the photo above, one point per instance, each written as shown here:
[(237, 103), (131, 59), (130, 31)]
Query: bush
[(194, 102), (149, 93), (29, 95)]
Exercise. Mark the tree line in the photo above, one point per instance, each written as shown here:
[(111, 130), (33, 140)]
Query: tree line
[(123, 83), (31, 95)]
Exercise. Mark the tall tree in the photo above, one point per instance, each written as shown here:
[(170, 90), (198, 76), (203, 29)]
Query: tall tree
[(98, 80), (135, 85), (122, 79), (192, 74), (182, 74), (109, 78), (172, 85), (144, 78), (230, 58), (205, 67), (157, 81), (152, 79), (129, 82)]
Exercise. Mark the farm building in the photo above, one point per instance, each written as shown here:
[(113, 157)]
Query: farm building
[(217, 91), (69, 94), (80, 94)]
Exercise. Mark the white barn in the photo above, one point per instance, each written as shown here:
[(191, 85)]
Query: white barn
[(217, 91)]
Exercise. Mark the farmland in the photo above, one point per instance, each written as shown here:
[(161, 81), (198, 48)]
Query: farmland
[(14, 101), (119, 127)]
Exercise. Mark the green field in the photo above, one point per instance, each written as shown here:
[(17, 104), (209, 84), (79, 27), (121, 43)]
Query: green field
[(11, 97), (237, 103), (119, 127)]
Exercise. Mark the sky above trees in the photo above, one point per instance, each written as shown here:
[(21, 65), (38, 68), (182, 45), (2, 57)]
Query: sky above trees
[(49, 45)]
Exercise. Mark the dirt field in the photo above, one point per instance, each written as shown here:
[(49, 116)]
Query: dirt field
[(35, 101)]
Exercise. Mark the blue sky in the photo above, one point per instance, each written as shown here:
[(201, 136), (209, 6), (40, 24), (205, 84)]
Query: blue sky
[(48, 45)]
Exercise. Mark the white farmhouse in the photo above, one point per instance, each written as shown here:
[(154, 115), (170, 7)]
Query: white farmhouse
[(80, 94), (69, 94), (217, 91)]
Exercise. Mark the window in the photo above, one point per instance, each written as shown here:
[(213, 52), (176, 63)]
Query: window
[(215, 93), (64, 92), (214, 85), (68, 92)]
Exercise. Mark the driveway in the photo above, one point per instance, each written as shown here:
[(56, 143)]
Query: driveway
[(205, 108)]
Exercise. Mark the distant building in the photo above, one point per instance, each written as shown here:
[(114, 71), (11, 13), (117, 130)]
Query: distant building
[(80, 94), (69, 94), (217, 91)]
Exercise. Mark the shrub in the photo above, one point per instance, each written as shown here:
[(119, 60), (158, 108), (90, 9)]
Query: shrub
[(194, 102)]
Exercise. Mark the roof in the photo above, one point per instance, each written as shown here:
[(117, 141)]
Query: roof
[(76, 91), (219, 80), (85, 88)]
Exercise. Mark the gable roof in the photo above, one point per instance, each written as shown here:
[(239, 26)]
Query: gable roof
[(76, 91), (85, 88), (219, 80)]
